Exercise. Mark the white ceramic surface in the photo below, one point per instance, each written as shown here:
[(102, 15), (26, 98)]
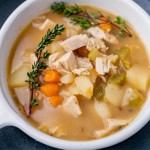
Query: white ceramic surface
[(9, 32)]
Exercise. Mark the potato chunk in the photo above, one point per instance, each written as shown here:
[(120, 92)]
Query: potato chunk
[(114, 94), (17, 78), (73, 89), (132, 98), (84, 86), (67, 78), (139, 77)]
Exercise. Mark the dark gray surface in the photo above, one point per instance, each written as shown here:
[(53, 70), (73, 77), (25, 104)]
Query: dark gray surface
[(13, 139)]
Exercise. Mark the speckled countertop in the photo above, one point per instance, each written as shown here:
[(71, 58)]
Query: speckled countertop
[(12, 138)]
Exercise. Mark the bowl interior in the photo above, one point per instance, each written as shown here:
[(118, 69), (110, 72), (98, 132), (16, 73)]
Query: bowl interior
[(30, 9)]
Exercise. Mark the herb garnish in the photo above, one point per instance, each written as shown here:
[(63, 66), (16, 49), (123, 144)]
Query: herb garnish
[(86, 20), (34, 102), (40, 64)]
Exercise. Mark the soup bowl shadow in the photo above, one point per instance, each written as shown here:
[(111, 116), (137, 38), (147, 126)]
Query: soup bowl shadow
[(9, 114)]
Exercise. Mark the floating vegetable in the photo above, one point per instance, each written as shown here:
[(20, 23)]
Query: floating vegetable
[(132, 98), (17, 78), (51, 76), (93, 54), (56, 100), (99, 89), (50, 89), (139, 77), (118, 79)]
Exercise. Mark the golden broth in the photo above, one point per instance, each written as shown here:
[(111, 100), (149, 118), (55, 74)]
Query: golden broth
[(45, 116)]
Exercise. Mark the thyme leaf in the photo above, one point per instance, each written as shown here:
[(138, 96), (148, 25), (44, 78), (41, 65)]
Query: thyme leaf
[(34, 102), (84, 23), (58, 7), (74, 10)]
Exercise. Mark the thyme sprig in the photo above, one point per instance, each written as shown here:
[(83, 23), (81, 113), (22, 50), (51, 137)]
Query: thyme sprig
[(86, 20), (119, 23), (40, 64)]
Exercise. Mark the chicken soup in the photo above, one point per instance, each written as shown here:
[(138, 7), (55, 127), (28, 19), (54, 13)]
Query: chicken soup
[(78, 72)]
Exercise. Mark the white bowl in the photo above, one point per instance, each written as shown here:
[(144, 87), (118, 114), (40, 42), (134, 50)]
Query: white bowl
[(9, 115)]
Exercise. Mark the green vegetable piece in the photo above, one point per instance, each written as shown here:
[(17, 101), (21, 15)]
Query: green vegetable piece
[(93, 54), (119, 20), (118, 79), (124, 53), (132, 98), (74, 10), (121, 32), (126, 64), (58, 7), (83, 22), (34, 102), (96, 15), (99, 89)]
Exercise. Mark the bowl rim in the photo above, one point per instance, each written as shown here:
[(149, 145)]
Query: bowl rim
[(19, 122)]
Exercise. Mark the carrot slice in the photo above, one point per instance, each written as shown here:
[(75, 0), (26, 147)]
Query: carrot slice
[(49, 89), (56, 100), (106, 27), (51, 76)]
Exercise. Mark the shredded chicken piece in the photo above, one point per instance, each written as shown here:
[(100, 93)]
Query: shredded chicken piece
[(71, 106), (113, 124), (43, 24), (64, 64), (95, 43), (68, 61), (38, 21), (57, 66), (81, 71), (97, 33), (100, 34), (84, 63), (104, 66), (47, 24), (75, 42), (54, 57), (23, 95)]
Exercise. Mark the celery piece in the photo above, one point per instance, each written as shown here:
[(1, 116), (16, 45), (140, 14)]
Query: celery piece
[(126, 64), (99, 89), (123, 53), (93, 54), (132, 98), (118, 79), (124, 56)]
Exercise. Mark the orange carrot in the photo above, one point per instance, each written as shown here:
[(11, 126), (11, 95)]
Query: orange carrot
[(51, 76), (56, 100), (106, 27), (50, 89)]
